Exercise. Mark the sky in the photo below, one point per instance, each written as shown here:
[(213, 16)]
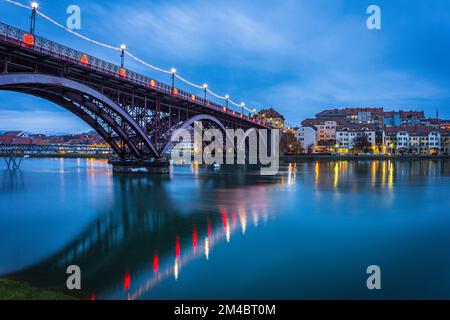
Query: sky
[(298, 56)]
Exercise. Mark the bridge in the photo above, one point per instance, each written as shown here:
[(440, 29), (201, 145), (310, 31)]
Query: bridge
[(136, 115)]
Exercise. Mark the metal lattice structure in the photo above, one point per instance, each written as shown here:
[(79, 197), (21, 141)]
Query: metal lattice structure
[(134, 114)]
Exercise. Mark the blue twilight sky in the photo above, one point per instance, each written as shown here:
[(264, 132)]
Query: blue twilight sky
[(298, 56)]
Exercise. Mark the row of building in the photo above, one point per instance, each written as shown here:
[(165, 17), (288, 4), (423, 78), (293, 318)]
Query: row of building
[(24, 139), (373, 130)]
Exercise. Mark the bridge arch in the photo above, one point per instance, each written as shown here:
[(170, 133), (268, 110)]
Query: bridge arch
[(188, 123), (104, 115)]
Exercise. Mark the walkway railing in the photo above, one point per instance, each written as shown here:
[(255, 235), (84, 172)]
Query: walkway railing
[(18, 37)]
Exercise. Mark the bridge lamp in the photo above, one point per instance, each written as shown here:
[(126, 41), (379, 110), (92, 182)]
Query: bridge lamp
[(34, 6), (173, 71), (205, 89), (227, 99), (122, 55), (242, 107)]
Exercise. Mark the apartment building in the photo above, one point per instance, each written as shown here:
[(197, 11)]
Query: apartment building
[(395, 132), (404, 118), (413, 140), (356, 138)]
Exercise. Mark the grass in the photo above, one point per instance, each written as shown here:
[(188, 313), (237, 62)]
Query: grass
[(13, 290)]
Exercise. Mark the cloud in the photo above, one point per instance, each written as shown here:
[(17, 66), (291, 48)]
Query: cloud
[(297, 56)]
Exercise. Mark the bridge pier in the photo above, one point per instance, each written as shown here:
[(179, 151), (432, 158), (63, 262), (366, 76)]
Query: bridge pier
[(158, 167)]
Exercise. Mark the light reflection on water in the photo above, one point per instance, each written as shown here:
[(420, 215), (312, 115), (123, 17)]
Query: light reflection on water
[(308, 233)]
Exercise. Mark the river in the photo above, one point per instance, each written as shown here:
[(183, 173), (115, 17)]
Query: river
[(202, 233)]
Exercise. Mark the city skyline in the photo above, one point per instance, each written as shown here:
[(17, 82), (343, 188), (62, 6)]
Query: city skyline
[(303, 65)]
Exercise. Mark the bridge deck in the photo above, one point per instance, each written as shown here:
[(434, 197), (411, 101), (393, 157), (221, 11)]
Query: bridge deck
[(56, 56)]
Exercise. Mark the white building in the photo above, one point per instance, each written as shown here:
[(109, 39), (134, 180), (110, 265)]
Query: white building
[(414, 140), (347, 137), (307, 135)]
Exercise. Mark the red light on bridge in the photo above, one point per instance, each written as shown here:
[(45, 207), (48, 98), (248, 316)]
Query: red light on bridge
[(177, 247), (155, 263), (193, 97), (175, 91), (28, 39), (242, 116), (152, 83), (127, 281), (84, 60), (234, 113), (224, 109), (122, 73)]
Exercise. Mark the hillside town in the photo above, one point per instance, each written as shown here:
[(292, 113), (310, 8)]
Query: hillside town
[(347, 131), (374, 131), (77, 144)]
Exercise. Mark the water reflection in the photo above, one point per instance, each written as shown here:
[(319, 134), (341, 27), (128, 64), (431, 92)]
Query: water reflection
[(147, 232), (146, 226)]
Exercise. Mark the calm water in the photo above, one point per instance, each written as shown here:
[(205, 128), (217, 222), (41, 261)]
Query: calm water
[(310, 232)]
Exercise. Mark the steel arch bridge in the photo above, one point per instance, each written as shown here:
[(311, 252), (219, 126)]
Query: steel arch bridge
[(134, 114)]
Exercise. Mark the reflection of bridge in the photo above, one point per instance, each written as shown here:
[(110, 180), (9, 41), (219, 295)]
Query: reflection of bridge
[(13, 156), (143, 237), (136, 115)]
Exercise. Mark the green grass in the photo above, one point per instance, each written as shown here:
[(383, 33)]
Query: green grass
[(13, 290)]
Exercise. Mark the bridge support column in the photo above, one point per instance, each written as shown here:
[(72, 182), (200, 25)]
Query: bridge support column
[(158, 167)]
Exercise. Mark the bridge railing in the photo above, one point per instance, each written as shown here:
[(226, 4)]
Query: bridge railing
[(50, 48)]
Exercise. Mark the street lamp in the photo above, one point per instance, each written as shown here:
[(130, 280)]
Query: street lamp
[(173, 71), (122, 55), (34, 6), (227, 99), (205, 89), (242, 108)]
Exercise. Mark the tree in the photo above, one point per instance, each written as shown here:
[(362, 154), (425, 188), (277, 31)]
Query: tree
[(290, 144)]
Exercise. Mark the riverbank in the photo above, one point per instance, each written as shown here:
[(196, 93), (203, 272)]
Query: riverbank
[(13, 290), (67, 156), (358, 157)]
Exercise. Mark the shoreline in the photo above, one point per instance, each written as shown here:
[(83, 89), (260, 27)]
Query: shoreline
[(65, 156), (282, 157), (18, 290), (316, 157)]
